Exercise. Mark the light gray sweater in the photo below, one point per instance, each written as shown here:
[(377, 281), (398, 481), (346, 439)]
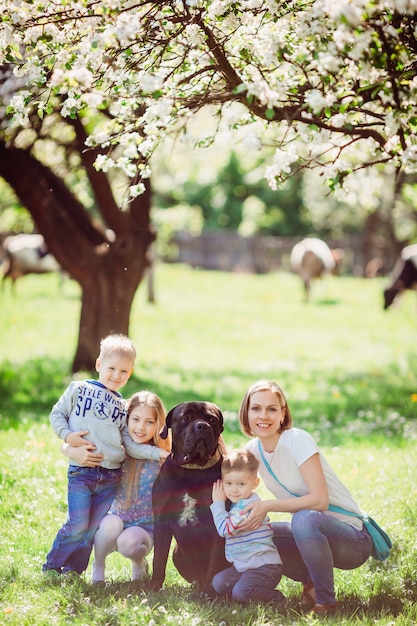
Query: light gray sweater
[(89, 405)]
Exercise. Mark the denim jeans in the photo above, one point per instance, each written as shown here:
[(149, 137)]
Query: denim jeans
[(252, 584), (91, 491), (314, 543)]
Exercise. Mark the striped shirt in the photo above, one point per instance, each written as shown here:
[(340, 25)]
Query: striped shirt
[(244, 549)]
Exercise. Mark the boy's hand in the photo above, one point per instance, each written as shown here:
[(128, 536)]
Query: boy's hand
[(217, 493), (76, 439)]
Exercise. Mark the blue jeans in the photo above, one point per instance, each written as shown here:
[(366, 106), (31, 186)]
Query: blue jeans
[(314, 543), (91, 491), (252, 584)]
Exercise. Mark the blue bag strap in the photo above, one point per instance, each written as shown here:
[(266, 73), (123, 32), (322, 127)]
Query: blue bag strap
[(331, 507), (338, 509), (270, 470)]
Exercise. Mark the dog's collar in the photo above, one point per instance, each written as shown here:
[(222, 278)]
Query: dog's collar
[(214, 459)]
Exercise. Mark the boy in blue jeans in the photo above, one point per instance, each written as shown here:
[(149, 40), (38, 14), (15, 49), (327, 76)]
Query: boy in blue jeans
[(256, 564), (96, 409)]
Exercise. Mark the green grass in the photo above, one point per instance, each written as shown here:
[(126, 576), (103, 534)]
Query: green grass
[(350, 373)]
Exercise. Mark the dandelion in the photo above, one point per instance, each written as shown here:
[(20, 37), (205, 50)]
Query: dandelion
[(414, 397)]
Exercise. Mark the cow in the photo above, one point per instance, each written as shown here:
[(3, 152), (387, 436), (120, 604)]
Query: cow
[(312, 258), (403, 276), (26, 254)]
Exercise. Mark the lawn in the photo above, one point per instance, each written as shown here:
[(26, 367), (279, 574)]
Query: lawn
[(350, 373)]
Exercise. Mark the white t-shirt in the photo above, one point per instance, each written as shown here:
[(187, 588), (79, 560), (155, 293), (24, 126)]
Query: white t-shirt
[(294, 447)]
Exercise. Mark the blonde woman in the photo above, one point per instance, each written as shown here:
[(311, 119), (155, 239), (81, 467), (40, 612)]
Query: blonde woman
[(303, 484)]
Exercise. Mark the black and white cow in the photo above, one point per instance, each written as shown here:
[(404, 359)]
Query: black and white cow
[(27, 254), (312, 258), (403, 276)]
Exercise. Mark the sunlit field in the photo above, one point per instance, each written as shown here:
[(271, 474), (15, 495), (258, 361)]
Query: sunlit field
[(350, 373)]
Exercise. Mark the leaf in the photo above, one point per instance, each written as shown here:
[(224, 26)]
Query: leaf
[(239, 89)]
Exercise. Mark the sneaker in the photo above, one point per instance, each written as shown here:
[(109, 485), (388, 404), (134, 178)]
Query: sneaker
[(51, 576), (69, 577), (308, 599), (140, 572), (282, 605), (97, 575), (325, 609)]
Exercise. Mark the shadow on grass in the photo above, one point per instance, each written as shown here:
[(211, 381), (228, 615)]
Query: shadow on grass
[(30, 389), (327, 302), (333, 406), (173, 600)]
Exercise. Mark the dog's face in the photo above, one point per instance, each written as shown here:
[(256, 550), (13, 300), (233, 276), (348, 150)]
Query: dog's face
[(195, 427)]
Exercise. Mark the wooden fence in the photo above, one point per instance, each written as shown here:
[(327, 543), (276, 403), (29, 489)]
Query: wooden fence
[(228, 251)]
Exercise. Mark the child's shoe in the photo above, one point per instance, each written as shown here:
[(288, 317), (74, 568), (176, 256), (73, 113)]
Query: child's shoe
[(51, 576), (97, 575), (282, 605), (139, 572), (69, 577)]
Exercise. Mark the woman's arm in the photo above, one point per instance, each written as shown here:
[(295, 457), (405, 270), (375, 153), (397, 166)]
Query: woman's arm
[(317, 497)]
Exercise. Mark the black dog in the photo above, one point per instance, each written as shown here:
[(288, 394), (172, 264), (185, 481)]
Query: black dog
[(181, 496)]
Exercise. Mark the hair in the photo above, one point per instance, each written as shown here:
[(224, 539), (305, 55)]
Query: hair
[(134, 466), (263, 385), (151, 400), (119, 344), (240, 461)]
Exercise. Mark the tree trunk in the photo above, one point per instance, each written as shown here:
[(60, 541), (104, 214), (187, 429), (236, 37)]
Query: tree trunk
[(106, 303), (108, 271)]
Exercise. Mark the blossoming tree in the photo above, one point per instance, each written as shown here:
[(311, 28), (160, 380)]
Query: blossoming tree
[(332, 85)]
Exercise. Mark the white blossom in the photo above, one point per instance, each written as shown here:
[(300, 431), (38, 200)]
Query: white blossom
[(194, 34), (103, 163), (136, 190), (317, 101), (217, 8), (338, 120), (307, 68), (93, 99), (282, 161), (70, 105), (252, 142), (409, 158)]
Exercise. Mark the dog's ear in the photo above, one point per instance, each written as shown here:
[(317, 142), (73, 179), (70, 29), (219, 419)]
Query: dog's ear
[(168, 422), (164, 432), (220, 414)]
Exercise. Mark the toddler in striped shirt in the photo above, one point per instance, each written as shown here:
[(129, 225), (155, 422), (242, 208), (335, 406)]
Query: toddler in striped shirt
[(256, 566)]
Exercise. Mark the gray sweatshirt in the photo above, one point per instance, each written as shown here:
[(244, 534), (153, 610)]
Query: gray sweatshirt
[(89, 405)]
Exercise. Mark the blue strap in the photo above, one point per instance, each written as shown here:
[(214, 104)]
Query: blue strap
[(338, 509), (331, 507), (270, 470)]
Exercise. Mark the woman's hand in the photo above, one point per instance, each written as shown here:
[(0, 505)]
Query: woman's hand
[(257, 513)]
